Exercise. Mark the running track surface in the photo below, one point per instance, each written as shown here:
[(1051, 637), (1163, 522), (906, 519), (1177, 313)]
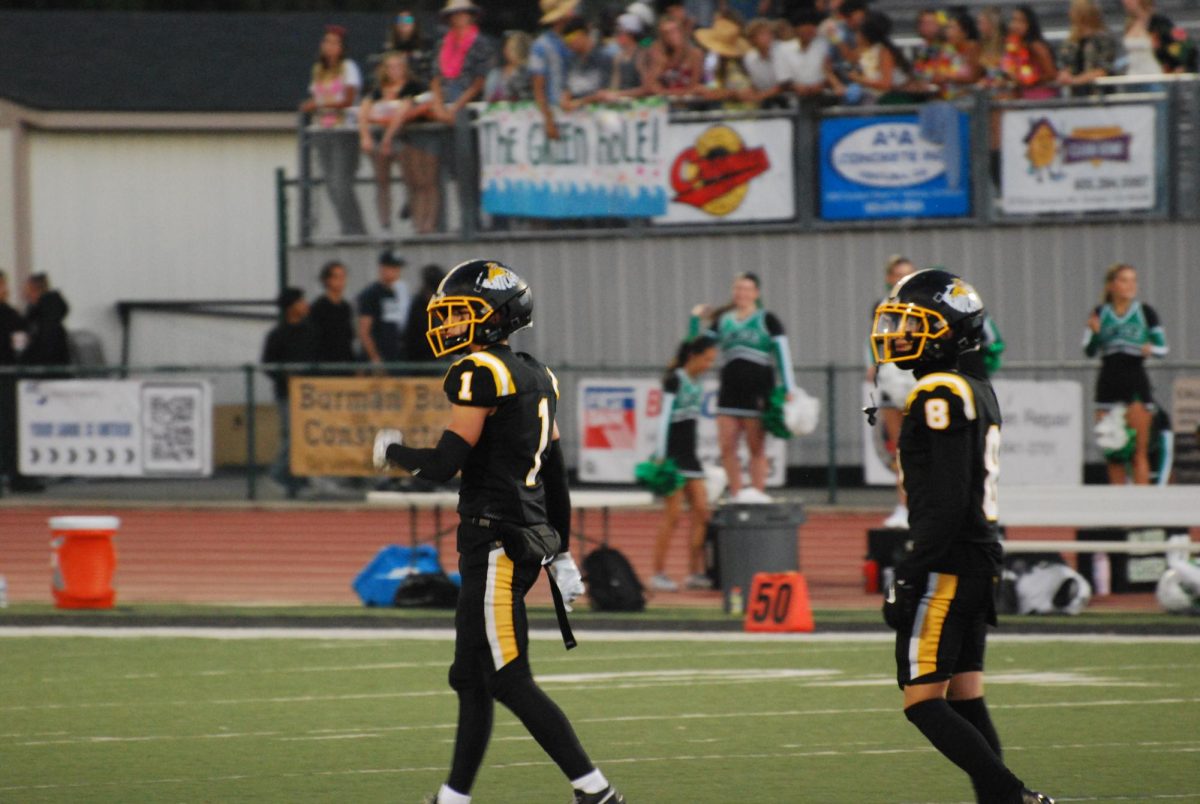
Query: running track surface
[(261, 556)]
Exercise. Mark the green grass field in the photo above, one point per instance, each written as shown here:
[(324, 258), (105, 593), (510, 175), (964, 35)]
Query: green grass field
[(89, 719)]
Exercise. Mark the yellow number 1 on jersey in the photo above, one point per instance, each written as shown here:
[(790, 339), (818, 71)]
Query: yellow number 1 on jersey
[(543, 441)]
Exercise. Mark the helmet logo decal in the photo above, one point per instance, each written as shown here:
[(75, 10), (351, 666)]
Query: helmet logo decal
[(497, 278), (960, 296)]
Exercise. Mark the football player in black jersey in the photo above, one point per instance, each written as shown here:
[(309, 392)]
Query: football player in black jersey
[(942, 600), (503, 437)]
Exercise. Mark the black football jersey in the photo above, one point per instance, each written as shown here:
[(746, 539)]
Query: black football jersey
[(502, 478), (950, 465)]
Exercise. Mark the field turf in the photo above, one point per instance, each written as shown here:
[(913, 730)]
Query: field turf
[(366, 717)]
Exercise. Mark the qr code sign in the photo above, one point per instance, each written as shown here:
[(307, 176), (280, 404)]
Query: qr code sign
[(174, 437)]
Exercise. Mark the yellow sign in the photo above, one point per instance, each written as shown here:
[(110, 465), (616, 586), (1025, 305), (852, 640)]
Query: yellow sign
[(334, 420)]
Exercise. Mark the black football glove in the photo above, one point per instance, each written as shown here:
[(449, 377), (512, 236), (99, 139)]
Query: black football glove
[(901, 602)]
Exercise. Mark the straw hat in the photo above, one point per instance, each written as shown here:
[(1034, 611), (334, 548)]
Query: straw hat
[(724, 38), (455, 6), (555, 10)]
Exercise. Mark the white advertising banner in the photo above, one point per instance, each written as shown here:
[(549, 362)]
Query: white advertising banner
[(618, 425), (115, 428), (606, 162), (1041, 437), (736, 170), (1078, 159)]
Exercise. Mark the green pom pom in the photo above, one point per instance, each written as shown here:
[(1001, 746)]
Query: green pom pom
[(773, 420), (661, 477), (1125, 453)]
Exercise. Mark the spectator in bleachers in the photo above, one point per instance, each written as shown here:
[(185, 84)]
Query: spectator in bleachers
[(511, 81), (841, 29), (677, 10), (674, 65), (1175, 51), (929, 57), (333, 102), (1028, 62), (962, 69), (1090, 50), (290, 341), (405, 35), (47, 343), (991, 41), (383, 112), (764, 62), (548, 60), (882, 70), (332, 318), (416, 345), (383, 312), (701, 12), (648, 18), (729, 84), (12, 336), (462, 61), (808, 59), (588, 70), (1139, 48), (628, 78)]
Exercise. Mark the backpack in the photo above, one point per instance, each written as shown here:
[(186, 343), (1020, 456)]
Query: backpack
[(611, 582)]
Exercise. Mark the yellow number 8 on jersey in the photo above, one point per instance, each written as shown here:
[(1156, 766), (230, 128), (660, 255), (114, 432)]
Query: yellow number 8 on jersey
[(937, 413)]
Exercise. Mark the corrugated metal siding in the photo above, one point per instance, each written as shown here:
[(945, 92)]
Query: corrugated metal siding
[(156, 216), (622, 301)]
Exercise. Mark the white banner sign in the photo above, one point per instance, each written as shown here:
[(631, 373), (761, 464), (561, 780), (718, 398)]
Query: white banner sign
[(618, 426), (736, 170), (606, 162), (1041, 437), (115, 428), (1078, 159)]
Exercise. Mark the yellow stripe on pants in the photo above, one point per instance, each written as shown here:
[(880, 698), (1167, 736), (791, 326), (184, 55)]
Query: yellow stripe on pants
[(936, 609), (498, 609)]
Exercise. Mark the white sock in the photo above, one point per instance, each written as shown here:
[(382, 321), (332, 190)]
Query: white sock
[(447, 795), (594, 782)]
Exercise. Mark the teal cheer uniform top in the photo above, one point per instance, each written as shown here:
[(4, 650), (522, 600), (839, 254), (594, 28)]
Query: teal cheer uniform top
[(1119, 343)]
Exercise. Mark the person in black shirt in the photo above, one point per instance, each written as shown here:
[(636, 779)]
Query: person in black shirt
[(381, 312), (48, 344), (942, 599), (290, 341), (332, 318), (503, 436), (416, 345), (12, 326)]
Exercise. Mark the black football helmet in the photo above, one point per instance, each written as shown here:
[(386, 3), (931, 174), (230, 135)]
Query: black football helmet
[(931, 316), (479, 301)]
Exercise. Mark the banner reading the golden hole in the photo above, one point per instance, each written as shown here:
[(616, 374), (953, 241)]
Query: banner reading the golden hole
[(731, 171), (334, 420)]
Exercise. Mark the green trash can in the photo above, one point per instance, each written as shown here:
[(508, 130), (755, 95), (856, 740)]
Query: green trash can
[(754, 538)]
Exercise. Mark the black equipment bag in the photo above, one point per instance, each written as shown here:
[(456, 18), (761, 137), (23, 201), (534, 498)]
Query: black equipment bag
[(611, 582)]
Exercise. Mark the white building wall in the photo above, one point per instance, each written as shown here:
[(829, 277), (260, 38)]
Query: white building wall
[(162, 216)]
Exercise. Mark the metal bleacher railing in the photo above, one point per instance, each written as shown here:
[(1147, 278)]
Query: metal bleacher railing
[(823, 456), (1175, 99)]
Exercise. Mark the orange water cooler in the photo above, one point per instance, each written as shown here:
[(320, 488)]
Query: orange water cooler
[(83, 559)]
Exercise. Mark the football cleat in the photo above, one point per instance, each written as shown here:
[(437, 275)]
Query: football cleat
[(609, 795), (1033, 797)]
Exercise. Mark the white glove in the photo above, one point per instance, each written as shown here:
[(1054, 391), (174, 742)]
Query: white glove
[(384, 439), (567, 576)]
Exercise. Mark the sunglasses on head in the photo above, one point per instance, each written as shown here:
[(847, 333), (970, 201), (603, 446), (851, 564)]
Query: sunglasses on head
[(404, 19)]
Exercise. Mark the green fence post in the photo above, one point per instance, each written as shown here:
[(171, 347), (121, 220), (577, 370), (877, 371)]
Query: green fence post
[(831, 427), (251, 460)]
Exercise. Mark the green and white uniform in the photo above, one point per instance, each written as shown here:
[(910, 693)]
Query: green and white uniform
[(683, 399), (755, 358), (1119, 343)]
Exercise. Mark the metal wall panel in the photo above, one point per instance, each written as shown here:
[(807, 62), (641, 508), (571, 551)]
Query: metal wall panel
[(622, 301), (156, 216)]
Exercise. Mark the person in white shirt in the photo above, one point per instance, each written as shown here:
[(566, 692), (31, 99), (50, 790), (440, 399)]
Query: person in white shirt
[(807, 60)]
